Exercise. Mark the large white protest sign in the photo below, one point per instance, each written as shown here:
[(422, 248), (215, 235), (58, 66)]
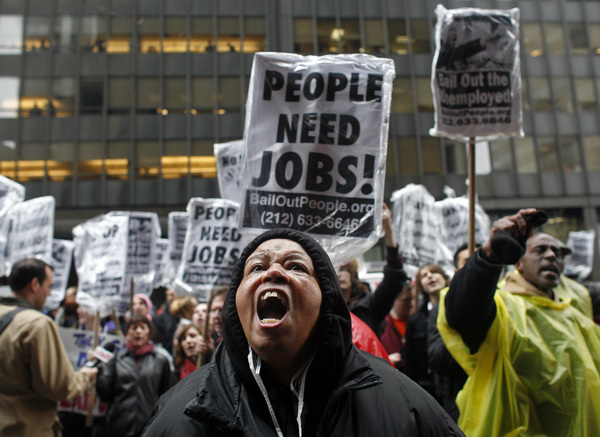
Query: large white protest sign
[(316, 143), (454, 214), (161, 259), (580, 262), (229, 158), (11, 193), (78, 344), (476, 73), (212, 246), (416, 224), (31, 230), (101, 261), (177, 228), (62, 255)]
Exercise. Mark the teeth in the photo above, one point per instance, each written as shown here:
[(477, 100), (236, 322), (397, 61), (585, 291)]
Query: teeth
[(269, 294), (267, 321)]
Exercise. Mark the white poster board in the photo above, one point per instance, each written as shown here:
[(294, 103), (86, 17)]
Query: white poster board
[(580, 262), (212, 246), (11, 193), (476, 74), (62, 256), (229, 157), (316, 144)]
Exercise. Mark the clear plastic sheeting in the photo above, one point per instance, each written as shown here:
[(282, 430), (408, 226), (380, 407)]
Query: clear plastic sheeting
[(580, 262), (316, 135), (229, 157), (11, 193), (476, 74)]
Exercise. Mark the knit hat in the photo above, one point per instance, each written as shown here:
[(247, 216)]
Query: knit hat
[(148, 303)]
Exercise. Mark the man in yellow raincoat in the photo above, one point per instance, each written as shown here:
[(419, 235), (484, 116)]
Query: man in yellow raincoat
[(531, 349)]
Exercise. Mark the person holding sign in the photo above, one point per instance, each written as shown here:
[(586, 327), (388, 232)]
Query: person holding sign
[(531, 348), (287, 365), (35, 371)]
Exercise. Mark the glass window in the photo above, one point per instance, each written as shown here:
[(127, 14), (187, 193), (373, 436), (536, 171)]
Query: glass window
[(397, 37), (175, 94), (577, 39), (203, 148), (525, 155), (349, 36), (594, 29), (501, 154), (228, 39), (149, 31), (327, 36), (407, 156), (532, 39), (65, 34), (586, 97), (402, 102), (117, 162), (571, 158), (33, 151), (119, 40), (303, 35), (90, 160), (424, 96), (540, 94), (176, 148), (11, 29), (33, 98), (563, 97), (37, 31), (148, 95), (9, 97), (591, 147), (33, 162), (119, 93), (230, 98), (254, 38), (374, 36), (175, 40), (419, 30), (548, 154), (147, 159), (93, 35), (203, 95), (63, 96), (555, 39), (202, 40), (91, 95), (456, 157)]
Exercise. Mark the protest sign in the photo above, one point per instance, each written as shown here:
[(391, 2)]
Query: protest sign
[(77, 344), (580, 262), (101, 261), (416, 224), (177, 228), (212, 246), (476, 74), (316, 142), (229, 158), (454, 230), (11, 193), (62, 255), (161, 259), (144, 229), (30, 230)]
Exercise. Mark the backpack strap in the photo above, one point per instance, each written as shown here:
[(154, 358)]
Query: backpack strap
[(8, 317)]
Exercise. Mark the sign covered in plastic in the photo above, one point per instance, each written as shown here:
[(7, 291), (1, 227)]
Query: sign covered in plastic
[(316, 143), (229, 158), (476, 74)]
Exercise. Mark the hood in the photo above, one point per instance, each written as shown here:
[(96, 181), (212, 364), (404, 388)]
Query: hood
[(334, 332)]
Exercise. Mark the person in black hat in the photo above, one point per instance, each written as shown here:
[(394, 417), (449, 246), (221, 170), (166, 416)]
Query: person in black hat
[(287, 365)]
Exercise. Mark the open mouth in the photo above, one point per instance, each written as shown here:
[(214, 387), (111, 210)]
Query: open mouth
[(272, 307)]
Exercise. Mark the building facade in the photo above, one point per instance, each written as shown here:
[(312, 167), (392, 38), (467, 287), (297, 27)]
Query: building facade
[(116, 104)]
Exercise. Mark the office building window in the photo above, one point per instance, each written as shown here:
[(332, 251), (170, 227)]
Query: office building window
[(254, 37), (548, 154), (37, 32), (149, 34), (119, 40), (119, 95), (420, 39), (571, 158), (65, 31), (147, 159), (555, 39), (594, 30), (407, 157), (525, 155), (397, 37), (230, 98), (91, 159), (349, 36), (586, 97), (327, 36), (93, 37), (578, 39), (540, 94), (148, 95), (176, 94), (424, 96), (374, 37), (228, 39), (501, 154), (91, 95), (175, 39), (591, 147), (402, 102), (63, 96), (456, 157), (11, 29), (303, 36), (202, 39), (9, 97), (532, 39), (203, 94), (563, 97)]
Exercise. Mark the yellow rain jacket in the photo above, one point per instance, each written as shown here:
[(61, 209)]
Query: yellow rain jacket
[(538, 370)]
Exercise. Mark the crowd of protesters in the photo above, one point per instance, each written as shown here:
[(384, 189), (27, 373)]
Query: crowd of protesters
[(465, 340)]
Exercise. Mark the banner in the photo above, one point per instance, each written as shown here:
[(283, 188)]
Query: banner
[(161, 259), (229, 158), (78, 344), (62, 255), (476, 74), (101, 261), (177, 228), (316, 143), (212, 246), (580, 262), (11, 193), (30, 231)]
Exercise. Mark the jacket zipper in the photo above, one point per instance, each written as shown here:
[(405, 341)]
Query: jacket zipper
[(336, 396)]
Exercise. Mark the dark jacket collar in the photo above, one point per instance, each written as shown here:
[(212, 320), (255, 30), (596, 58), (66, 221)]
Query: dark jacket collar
[(16, 301)]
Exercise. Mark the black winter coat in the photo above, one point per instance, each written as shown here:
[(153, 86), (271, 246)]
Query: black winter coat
[(131, 388), (348, 392)]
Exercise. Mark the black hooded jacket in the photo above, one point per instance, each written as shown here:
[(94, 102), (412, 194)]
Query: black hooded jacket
[(348, 392)]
